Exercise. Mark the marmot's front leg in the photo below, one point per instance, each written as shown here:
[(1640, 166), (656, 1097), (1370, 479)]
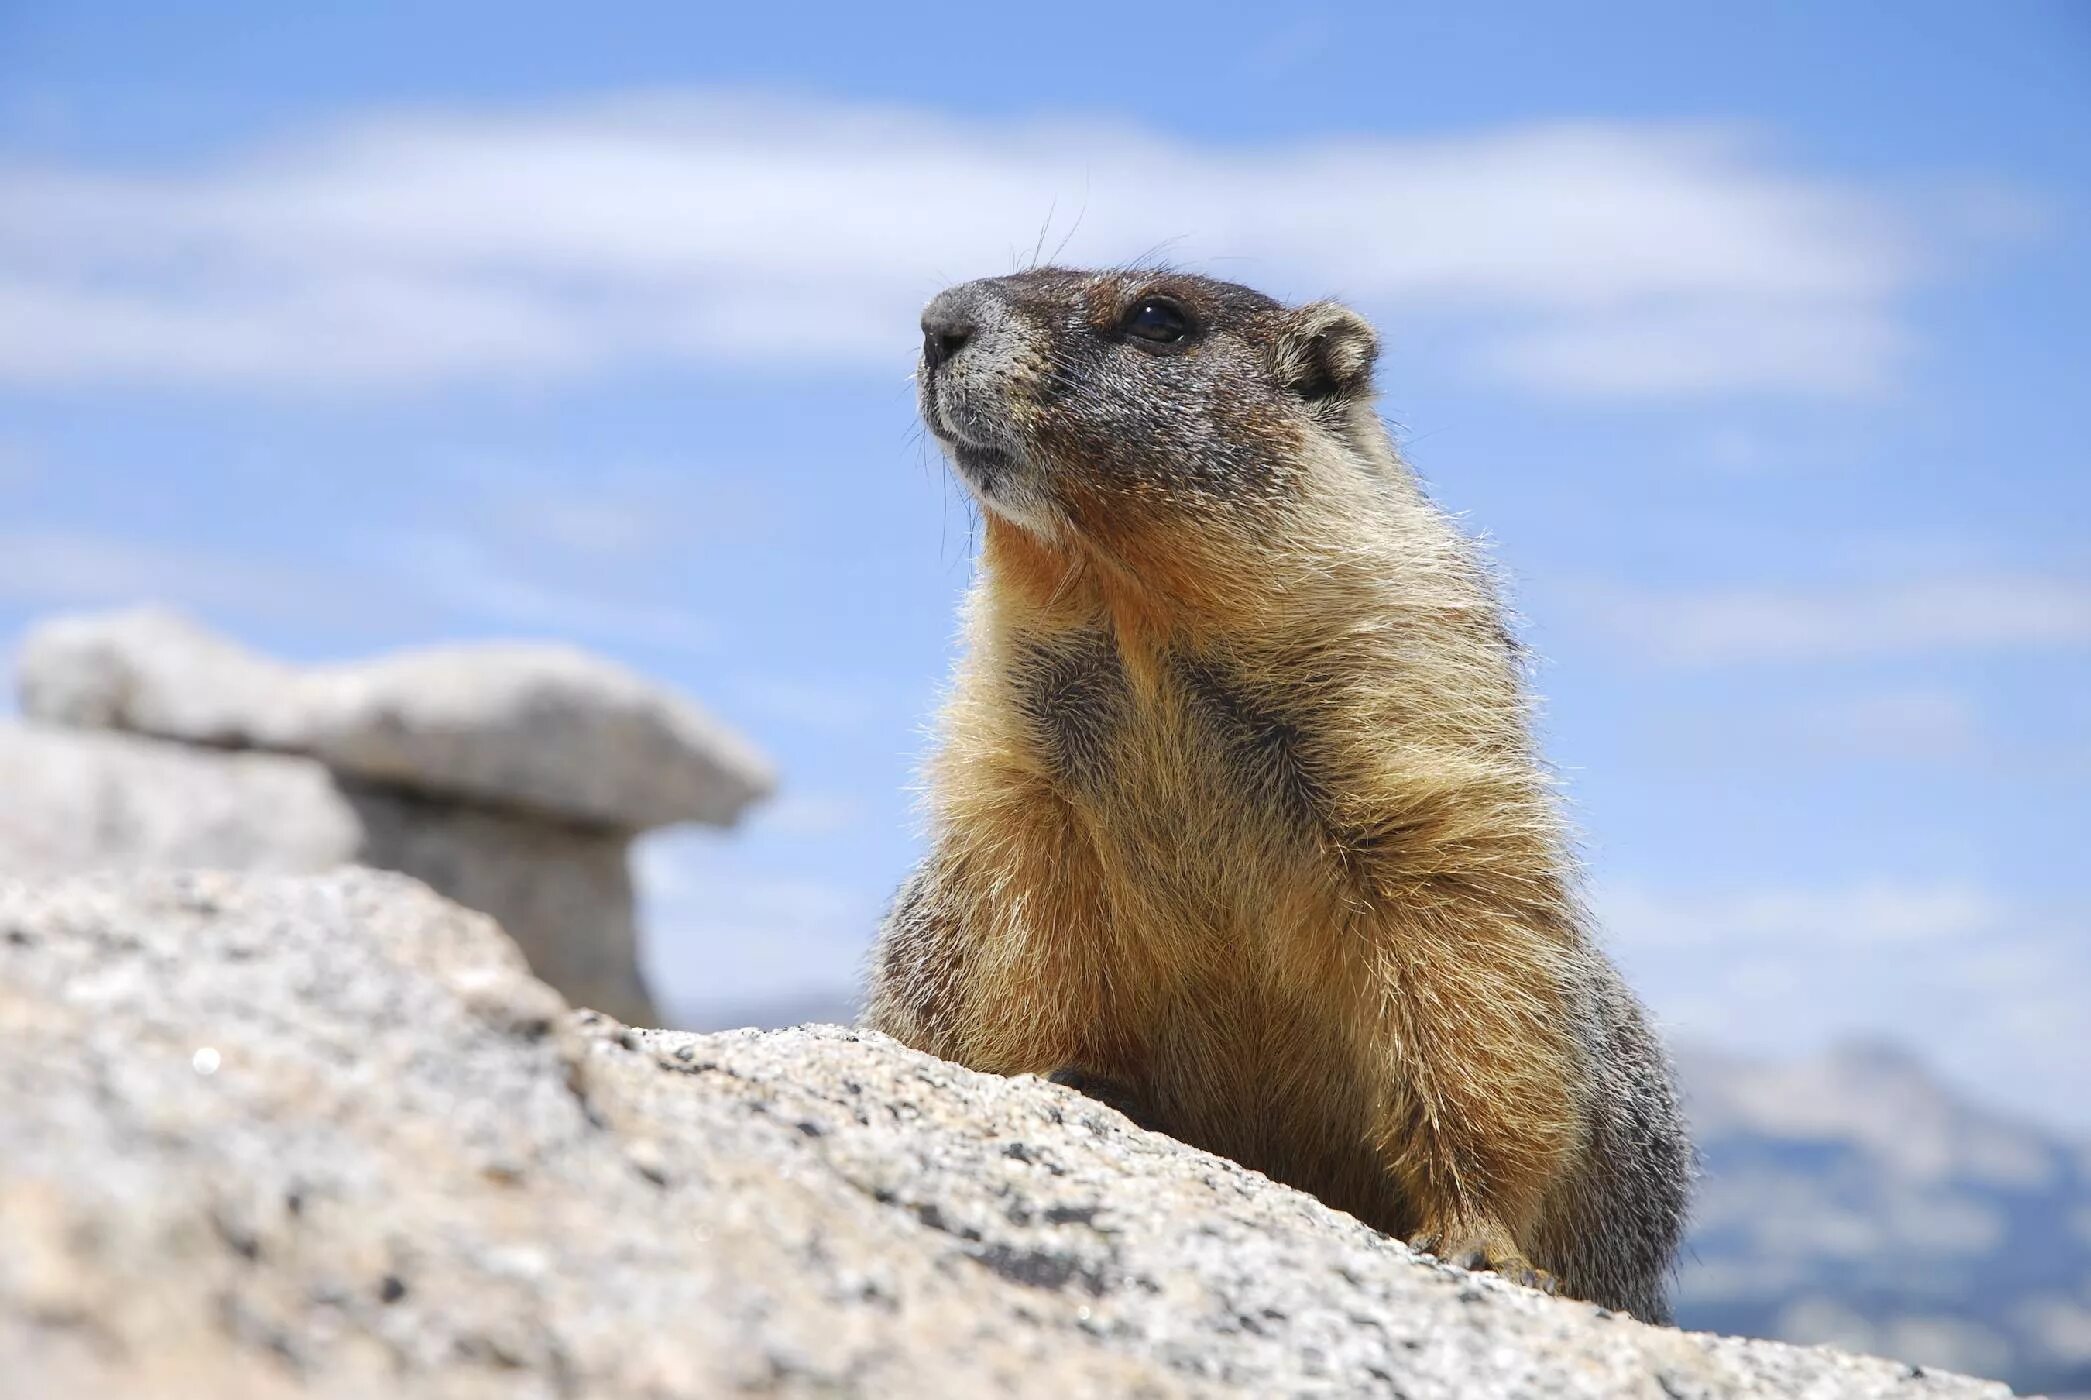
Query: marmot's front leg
[(1008, 985), (1486, 1249), (1484, 1113), (919, 995), (916, 993)]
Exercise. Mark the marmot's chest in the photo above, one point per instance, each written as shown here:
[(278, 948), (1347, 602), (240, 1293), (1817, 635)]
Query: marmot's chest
[(1183, 757)]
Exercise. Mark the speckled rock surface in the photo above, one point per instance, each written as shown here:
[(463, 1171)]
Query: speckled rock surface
[(279, 1136), (544, 728)]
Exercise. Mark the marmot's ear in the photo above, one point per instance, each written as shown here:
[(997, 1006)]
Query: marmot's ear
[(1325, 349)]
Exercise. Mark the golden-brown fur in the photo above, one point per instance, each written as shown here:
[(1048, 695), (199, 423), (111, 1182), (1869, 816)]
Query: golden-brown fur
[(1236, 811)]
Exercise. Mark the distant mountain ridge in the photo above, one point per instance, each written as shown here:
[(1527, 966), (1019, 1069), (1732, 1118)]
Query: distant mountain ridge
[(816, 1008), (1851, 1199)]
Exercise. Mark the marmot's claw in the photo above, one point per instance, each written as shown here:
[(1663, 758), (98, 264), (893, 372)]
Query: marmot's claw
[(1481, 1256), (1533, 1277)]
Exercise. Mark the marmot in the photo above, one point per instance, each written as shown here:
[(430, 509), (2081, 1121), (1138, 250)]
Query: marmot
[(1237, 821)]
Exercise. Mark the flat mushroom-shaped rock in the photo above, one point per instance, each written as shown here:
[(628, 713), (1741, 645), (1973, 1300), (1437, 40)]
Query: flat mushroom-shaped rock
[(152, 671), (547, 729)]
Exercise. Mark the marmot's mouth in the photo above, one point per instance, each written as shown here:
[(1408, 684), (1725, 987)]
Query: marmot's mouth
[(957, 423), (979, 439), (978, 444)]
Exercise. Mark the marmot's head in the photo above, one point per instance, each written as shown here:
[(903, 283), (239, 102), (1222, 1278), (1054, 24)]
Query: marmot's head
[(1109, 406)]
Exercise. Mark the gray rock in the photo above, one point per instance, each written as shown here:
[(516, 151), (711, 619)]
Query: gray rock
[(76, 800), (564, 893), (282, 1136), (79, 800), (151, 671), (538, 727)]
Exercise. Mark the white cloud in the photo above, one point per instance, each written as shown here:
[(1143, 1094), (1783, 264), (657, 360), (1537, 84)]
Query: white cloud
[(401, 577), (397, 579), (402, 250), (624, 515), (803, 814), (1666, 349), (1976, 612), (1987, 986), (1878, 914), (1909, 724), (833, 705), (19, 465), (596, 527)]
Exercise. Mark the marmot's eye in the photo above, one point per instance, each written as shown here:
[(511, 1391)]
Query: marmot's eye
[(1157, 319)]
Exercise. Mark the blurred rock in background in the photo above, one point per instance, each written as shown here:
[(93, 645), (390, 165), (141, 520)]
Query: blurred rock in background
[(510, 777)]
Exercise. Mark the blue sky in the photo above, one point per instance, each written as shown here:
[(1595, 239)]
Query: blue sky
[(1755, 339)]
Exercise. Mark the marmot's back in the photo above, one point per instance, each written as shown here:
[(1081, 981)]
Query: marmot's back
[(1237, 822)]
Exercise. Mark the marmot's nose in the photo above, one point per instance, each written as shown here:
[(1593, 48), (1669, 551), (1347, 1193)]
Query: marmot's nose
[(947, 324), (943, 340)]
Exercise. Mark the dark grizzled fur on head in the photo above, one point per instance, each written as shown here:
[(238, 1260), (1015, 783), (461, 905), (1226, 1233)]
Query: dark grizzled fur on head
[(1050, 379)]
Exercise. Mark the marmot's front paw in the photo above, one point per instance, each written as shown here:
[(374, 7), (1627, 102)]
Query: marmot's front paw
[(1113, 1093), (1483, 1250)]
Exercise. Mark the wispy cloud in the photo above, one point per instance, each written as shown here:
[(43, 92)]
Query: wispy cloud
[(59, 568), (804, 814), (1922, 722), (1880, 914), (407, 249), (466, 578), (1976, 612), (1988, 985), (19, 465), (832, 704), (1833, 348), (402, 576), (619, 514)]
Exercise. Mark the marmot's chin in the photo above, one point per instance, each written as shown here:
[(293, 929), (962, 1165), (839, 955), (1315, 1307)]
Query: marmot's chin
[(1002, 484), (989, 471)]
